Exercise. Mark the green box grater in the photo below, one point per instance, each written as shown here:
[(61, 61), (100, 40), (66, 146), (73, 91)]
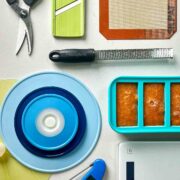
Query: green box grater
[(68, 18)]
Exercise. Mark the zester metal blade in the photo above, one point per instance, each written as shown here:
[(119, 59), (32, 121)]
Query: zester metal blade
[(135, 54)]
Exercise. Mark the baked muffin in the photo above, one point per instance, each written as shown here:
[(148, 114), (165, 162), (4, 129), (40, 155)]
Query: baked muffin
[(126, 104), (153, 104), (175, 104)]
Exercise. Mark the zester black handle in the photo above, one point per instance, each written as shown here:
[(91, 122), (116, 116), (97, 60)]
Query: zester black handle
[(73, 55)]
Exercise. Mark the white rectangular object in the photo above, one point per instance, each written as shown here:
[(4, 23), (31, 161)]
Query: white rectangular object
[(149, 161)]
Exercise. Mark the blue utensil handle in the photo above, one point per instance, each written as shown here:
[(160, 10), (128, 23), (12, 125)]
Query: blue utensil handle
[(97, 171)]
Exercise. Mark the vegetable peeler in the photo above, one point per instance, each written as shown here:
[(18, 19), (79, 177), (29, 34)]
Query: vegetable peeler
[(95, 171), (25, 26)]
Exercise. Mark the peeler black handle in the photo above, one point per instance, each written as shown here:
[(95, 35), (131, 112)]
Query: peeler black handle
[(73, 55)]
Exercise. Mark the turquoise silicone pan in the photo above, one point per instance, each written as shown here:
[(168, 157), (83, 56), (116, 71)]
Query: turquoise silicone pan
[(140, 128)]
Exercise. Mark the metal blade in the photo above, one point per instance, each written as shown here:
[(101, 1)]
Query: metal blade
[(25, 31), (29, 35), (80, 175), (21, 36), (28, 28), (136, 54), (68, 7)]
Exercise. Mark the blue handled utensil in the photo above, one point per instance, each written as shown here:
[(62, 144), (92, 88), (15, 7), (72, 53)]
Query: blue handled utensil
[(25, 25), (95, 171)]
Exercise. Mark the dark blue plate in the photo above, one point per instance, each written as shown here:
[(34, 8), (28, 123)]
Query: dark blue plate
[(53, 153)]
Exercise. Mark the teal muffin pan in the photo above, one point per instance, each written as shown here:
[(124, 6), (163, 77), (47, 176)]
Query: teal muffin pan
[(144, 105)]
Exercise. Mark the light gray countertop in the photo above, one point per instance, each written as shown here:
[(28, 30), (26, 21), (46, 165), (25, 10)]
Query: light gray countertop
[(96, 77)]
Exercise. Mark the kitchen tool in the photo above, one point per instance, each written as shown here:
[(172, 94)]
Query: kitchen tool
[(21, 97), (145, 105), (127, 55), (25, 26), (136, 19), (68, 18), (95, 171), (158, 160)]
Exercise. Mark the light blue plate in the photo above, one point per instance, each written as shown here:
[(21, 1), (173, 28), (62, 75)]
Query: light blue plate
[(30, 118), (50, 79)]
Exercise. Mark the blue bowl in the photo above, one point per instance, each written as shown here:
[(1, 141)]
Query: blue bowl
[(53, 109), (44, 152)]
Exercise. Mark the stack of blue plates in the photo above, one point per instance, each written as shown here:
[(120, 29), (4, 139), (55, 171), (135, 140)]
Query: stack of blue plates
[(50, 122)]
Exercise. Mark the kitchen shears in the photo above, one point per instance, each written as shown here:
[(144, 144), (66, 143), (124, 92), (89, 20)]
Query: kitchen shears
[(25, 25)]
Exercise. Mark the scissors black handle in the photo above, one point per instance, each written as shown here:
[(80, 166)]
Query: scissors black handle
[(28, 2), (10, 2)]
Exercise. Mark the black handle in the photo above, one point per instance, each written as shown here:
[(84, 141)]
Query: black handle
[(73, 55), (10, 2), (30, 2)]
